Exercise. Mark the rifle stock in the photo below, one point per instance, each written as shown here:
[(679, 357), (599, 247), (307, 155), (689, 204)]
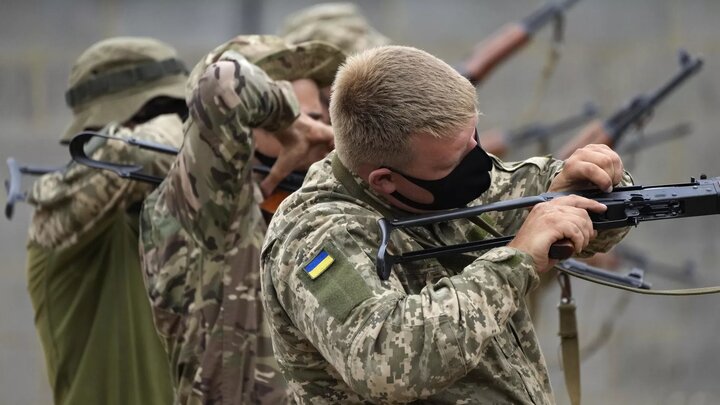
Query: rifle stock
[(594, 132), (509, 39), (134, 172), (13, 186)]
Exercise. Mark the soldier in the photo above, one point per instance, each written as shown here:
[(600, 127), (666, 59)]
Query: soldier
[(85, 282), (451, 330), (201, 230)]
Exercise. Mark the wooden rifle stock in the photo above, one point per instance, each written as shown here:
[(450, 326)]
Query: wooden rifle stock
[(495, 50), (509, 39), (593, 132)]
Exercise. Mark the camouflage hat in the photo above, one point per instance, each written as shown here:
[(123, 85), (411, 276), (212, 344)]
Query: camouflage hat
[(314, 60), (115, 77), (340, 24)]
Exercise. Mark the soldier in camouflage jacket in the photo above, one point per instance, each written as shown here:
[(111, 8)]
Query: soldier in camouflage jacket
[(452, 330), (202, 229)]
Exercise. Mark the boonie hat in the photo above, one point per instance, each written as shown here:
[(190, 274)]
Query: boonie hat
[(115, 77)]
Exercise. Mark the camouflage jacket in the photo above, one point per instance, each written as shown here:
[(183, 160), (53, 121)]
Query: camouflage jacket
[(84, 277), (72, 202), (454, 331), (201, 233)]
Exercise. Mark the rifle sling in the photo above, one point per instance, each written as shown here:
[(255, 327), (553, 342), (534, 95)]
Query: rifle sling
[(569, 344)]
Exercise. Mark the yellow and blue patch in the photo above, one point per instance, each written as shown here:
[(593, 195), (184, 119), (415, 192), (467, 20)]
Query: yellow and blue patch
[(319, 264)]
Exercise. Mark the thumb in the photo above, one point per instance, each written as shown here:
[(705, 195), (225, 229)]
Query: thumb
[(283, 166)]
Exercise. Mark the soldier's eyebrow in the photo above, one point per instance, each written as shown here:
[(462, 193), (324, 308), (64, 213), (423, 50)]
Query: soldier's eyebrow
[(315, 115)]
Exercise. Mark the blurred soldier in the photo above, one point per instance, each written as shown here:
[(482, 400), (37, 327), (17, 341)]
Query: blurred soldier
[(85, 282), (201, 230), (447, 330), (340, 24)]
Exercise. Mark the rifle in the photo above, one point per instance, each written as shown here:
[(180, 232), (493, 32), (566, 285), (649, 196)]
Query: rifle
[(656, 138), (511, 38), (498, 143), (635, 113), (13, 186), (626, 206), (685, 273), (134, 172)]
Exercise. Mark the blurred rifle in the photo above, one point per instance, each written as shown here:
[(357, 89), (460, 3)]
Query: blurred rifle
[(656, 138), (635, 114), (512, 37), (684, 274), (498, 142), (13, 185)]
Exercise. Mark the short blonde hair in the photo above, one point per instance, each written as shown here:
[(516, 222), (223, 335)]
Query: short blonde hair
[(384, 95)]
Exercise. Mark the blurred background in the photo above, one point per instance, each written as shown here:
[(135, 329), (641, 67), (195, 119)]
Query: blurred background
[(660, 350)]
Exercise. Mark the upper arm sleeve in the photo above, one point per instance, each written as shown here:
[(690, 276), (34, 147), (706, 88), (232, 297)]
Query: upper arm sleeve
[(381, 339), (210, 185)]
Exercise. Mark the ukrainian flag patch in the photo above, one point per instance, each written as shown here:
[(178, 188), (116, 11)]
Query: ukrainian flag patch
[(319, 264)]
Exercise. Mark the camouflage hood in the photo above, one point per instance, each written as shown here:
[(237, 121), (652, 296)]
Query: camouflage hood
[(281, 61), (115, 77)]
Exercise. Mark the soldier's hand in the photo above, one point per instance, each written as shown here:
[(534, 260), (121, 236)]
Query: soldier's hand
[(592, 165), (305, 139), (564, 218)]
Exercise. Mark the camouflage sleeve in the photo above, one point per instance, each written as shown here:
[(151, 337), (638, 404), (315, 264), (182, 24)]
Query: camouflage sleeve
[(532, 177), (211, 180), (386, 344), (72, 202)]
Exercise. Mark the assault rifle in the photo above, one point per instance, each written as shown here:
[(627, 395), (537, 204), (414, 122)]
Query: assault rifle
[(511, 38), (498, 142), (626, 206), (635, 113), (13, 186)]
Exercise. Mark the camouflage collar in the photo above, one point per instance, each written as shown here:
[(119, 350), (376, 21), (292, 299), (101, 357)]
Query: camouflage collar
[(357, 188)]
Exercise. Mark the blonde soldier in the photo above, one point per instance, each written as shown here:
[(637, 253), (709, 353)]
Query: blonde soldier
[(85, 281), (438, 331), (202, 228)]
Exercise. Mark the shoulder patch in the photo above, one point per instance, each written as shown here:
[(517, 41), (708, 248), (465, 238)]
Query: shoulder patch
[(319, 264), (341, 288)]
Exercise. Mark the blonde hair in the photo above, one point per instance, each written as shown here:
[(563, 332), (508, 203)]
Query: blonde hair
[(384, 95)]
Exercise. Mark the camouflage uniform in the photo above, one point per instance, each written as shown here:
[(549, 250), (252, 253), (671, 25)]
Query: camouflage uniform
[(340, 24), (202, 229), (84, 275), (453, 330)]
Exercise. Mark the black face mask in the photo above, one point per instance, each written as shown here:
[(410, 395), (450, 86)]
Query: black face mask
[(465, 183)]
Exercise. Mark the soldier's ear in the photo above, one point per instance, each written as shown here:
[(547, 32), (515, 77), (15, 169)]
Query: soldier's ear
[(381, 181)]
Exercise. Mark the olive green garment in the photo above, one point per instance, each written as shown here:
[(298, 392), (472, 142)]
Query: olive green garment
[(94, 319)]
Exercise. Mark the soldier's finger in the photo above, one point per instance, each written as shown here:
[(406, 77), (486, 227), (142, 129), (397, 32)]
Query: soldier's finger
[(284, 165), (580, 202)]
